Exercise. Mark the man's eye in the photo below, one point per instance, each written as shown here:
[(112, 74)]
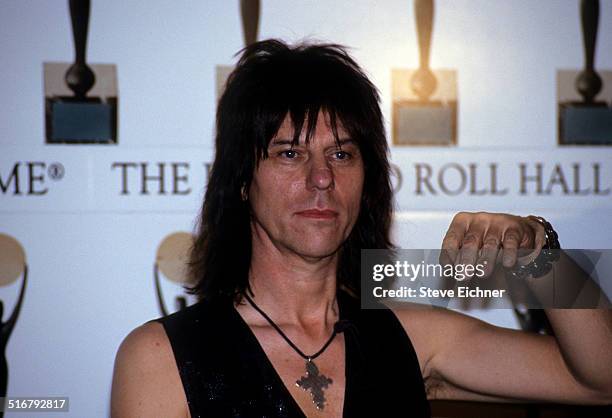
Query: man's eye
[(291, 154), (342, 155)]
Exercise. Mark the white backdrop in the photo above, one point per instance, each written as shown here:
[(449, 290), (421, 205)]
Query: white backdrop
[(91, 249)]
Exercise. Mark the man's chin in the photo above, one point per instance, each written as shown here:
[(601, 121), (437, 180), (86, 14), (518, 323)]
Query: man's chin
[(317, 252)]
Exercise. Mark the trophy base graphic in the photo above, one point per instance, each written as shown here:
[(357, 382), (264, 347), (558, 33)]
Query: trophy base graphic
[(222, 73), (424, 123), (88, 120), (92, 120), (582, 124), (418, 122)]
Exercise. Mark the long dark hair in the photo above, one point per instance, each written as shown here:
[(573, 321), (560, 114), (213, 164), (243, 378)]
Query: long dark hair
[(273, 80)]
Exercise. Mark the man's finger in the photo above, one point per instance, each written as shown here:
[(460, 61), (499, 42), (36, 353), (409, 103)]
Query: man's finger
[(540, 233), (453, 237), (450, 247), (472, 240), (490, 248), (510, 244)]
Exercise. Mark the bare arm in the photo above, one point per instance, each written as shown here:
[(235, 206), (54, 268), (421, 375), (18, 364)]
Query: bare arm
[(584, 336), (464, 358), (146, 382)]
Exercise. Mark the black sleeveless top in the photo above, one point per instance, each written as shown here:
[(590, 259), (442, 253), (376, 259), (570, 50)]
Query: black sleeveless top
[(226, 373)]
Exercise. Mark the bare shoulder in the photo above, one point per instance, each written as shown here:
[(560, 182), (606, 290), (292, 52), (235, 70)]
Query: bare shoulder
[(431, 328), (146, 381)]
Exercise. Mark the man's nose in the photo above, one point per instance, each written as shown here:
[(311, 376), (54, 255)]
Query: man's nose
[(320, 175)]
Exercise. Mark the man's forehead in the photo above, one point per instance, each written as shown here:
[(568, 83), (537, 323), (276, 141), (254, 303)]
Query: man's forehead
[(323, 128), (278, 141)]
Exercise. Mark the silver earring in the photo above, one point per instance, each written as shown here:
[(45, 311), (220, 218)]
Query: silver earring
[(243, 193)]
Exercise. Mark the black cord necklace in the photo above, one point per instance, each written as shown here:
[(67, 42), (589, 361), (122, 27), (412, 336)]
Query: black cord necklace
[(314, 382)]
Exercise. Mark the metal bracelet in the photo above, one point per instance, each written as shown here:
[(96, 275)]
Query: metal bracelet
[(548, 253), (552, 239)]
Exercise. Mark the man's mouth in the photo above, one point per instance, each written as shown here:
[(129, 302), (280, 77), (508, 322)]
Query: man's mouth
[(318, 214)]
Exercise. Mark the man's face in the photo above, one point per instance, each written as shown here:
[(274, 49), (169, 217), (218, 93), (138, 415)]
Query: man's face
[(305, 199)]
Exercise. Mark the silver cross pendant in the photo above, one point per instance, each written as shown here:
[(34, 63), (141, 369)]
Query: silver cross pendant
[(314, 382)]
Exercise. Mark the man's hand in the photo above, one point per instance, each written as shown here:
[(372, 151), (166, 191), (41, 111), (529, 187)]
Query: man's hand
[(480, 237)]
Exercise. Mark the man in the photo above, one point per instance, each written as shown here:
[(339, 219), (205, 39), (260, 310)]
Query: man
[(299, 185)]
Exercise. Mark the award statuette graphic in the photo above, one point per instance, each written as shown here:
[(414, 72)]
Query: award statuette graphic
[(249, 14), (582, 119), (171, 260), (12, 265), (249, 11), (80, 100), (424, 101)]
